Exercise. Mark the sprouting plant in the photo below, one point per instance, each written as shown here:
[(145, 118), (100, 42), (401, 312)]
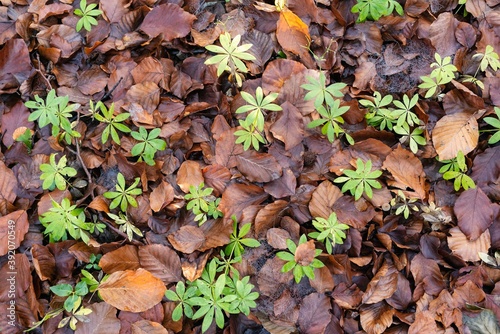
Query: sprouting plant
[(373, 10), (183, 297), (92, 282), (87, 14), (72, 303), (242, 290), (63, 219), (457, 171), (331, 231), (54, 110), (123, 196), (24, 135), (94, 262), (54, 173), (489, 57), (301, 259), (414, 137), (443, 73), (238, 240), (494, 122), (249, 136), (331, 116), (125, 225), (113, 122), (361, 180), (403, 113), (320, 92), (230, 57), (202, 203), (148, 145), (379, 115), (403, 205)]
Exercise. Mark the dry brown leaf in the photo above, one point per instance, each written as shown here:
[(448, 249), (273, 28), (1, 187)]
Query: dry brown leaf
[(289, 127), (424, 323), (167, 19), (13, 228), (258, 167), (453, 133), (162, 262), (442, 34), (269, 217), (146, 94), (466, 249), (189, 174), (161, 196), (292, 33), (102, 320), (8, 184), (323, 198), (276, 238), (123, 258), (474, 213), (282, 187), (407, 171), (187, 239), (376, 318), (382, 286), (148, 327), (149, 69), (44, 262), (134, 291), (238, 196), (216, 177), (314, 314)]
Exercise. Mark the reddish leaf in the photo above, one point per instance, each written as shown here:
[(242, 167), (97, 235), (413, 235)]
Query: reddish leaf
[(407, 171), (44, 262), (269, 217), (101, 320), (15, 65), (424, 323), (124, 258), (427, 275), (276, 238), (92, 81), (486, 169), (168, 19), (258, 167), (270, 277), (216, 177), (161, 196), (282, 187), (16, 118), (187, 239), (8, 184), (13, 228), (314, 314), (189, 174), (162, 262), (147, 95), (237, 197), (292, 33), (149, 69), (354, 213), (442, 34), (376, 318), (114, 10), (134, 291), (148, 327), (382, 286), (469, 293), (474, 213), (289, 127)]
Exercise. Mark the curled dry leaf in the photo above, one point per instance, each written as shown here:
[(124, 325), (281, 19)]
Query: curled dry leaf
[(187, 239), (453, 133), (323, 198), (13, 228), (382, 286), (468, 250), (134, 291), (376, 318), (269, 217), (44, 262)]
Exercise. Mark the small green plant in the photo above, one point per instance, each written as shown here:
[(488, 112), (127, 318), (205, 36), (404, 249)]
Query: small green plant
[(361, 180), (63, 219), (113, 122), (56, 111), (320, 92), (72, 303), (457, 171), (202, 203), (230, 57), (238, 240), (373, 10), (93, 262), (183, 297), (301, 259), (443, 73), (494, 122), (379, 116), (54, 173), (329, 121), (403, 205), (488, 58), (148, 145), (25, 136), (403, 113), (253, 125), (125, 225), (414, 138), (331, 231), (87, 14), (92, 282), (123, 196)]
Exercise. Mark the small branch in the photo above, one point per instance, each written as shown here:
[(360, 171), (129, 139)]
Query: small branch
[(108, 94), (39, 71)]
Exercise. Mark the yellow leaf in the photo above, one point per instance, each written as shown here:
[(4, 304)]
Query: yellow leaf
[(292, 33)]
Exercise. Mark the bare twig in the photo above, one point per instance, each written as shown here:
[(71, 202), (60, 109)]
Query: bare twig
[(39, 71)]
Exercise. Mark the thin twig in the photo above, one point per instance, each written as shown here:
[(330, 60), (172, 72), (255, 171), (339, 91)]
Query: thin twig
[(39, 71), (108, 94)]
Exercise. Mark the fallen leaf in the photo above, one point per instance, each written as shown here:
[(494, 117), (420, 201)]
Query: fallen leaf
[(442, 34), (276, 238), (474, 213), (162, 262), (485, 322), (424, 323), (269, 217), (8, 184), (102, 320), (168, 19), (146, 94), (314, 314), (161, 196), (292, 33), (258, 167), (282, 187), (238, 196), (148, 327), (289, 127), (13, 228), (189, 174), (466, 249), (15, 65), (453, 133), (376, 318), (123, 258), (187, 239), (323, 198), (134, 291), (44, 262), (382, 286)]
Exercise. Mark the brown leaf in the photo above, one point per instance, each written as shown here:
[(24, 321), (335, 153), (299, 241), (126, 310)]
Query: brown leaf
[(216, 177), (258, 167), (123, 258), (469, 293), (426, 273), (353, 213), (134, 291), (474, 213), (466, 249), (276, 238), (314, 314), (187, 239), (189, 174), (442, 34), (13, 228), (323, 280), (46, 201), (92, 81), (217, 232), (102, 320), (162, 262), (424, 323), (114, 10), (168, 19), (149, 69), (161, 196), (13, 120), (382, 286), (8, 184), (148, 327), (292, 33), (453, 133), (44, 262), (270, 277), (282, 187), (99, 204), (146, 94), (347, 298), (486, 169), (304, 254), (15, 65), (364, 75), (402, 296), (407, 171), (289, 127), (376, 318), (269, 217), (238, 196), (323, 198)]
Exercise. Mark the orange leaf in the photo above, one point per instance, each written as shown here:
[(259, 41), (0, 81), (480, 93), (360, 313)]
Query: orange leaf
[(189, 174), (323, 199), (123, 258), (134, 291), (453, 133), (148, 327), (292, 33)]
